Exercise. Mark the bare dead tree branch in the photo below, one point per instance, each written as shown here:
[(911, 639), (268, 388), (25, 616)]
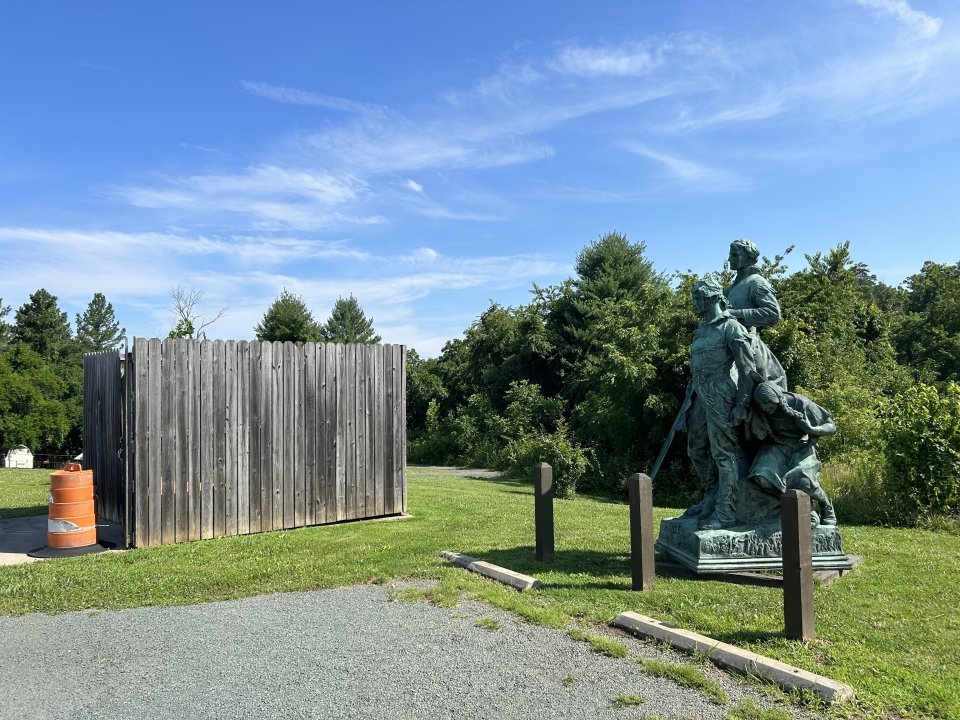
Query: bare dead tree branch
[(185, 302)]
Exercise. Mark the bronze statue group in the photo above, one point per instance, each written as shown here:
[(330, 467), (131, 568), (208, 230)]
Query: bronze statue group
[(748, 437)]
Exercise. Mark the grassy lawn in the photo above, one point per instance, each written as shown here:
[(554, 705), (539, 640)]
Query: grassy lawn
[(890, 629), (23, 492)]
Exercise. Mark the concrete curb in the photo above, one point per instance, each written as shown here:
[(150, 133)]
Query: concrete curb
[(730, 656), (494, 572)]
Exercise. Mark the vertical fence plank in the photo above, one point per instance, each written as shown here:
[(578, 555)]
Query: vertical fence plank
[(243, 438), (168, 441), (130, 449), (278, 435), (289, 435), (154, 444), (230, 438), (194, 431), (339, 442), (219, 439), (255, 423), (370, 435), (141, 417), (320, 487), (299, 458), (388, 459), (330, 430), (208, 458), (309, 386), (353, 495), (181, 450), (376, 463), (266, 436)]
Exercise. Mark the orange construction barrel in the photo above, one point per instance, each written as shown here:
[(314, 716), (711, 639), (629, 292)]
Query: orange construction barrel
[(71, 522)]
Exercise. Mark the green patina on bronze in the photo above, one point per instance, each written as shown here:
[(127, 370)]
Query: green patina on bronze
[(748, 437)]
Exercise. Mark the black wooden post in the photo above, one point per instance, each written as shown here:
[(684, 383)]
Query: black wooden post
[(642, 563), (797, 566), (543, 510)]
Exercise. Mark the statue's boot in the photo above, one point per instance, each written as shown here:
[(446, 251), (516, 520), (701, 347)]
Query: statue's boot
[(722, 516), (827, 514), (717, 521)]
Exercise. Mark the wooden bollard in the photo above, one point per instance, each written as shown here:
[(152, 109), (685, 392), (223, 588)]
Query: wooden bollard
[(642, 561), (543, 510), (798, 616)]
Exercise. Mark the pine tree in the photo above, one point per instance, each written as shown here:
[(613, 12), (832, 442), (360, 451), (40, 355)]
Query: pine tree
[(288, 319), (41, 325), (97, 328), (348, 324)]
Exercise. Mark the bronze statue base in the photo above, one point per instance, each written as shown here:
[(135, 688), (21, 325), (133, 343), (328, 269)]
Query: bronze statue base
[(744, 548)]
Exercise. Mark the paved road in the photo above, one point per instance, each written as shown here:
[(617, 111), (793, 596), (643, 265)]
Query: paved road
[(345, 653)]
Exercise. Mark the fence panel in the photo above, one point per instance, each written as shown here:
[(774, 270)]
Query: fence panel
[(226, 438)]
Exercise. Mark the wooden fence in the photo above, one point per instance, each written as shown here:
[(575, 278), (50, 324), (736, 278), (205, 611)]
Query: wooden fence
[(228, 438), (104, 433)]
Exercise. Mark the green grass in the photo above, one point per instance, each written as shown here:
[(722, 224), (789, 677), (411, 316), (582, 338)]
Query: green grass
[(599, 643), (488, 623), (23, 492), (749, 710), (889, 629), (687, 676), (621, 701)]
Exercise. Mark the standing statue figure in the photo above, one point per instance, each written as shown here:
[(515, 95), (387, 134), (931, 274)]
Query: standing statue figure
[(752, 301), (788, 426), (720, 398)]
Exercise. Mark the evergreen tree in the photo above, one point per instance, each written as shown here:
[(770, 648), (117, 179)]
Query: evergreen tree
[(43, 326), (288, 319), (97, 327), (348, 324)]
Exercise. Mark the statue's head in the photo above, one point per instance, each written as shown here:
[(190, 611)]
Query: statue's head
[(768, 397), (743, 253), (706, 292)]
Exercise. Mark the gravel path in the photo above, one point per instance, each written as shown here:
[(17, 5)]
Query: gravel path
[(344, 653)]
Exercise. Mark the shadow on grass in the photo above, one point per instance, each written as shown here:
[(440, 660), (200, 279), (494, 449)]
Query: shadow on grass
[(26, 511), (742, 637), (573, 562), (606, 566)]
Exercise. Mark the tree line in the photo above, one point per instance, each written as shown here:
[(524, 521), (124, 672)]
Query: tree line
[(41, 355), (589, 376)]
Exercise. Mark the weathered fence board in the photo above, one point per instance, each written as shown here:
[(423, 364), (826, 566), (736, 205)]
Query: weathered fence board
[(103, 397), (194, 440)]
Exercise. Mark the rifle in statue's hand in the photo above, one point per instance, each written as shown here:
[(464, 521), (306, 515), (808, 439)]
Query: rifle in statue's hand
[(679, 425)]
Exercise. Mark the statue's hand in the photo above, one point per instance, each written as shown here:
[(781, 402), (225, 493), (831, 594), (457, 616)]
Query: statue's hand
[(738, 415)]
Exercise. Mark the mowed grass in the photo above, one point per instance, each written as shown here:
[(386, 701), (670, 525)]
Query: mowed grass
[(889, 629), (23, 492)]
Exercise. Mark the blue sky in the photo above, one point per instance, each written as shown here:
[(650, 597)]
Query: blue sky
[(429, 157)]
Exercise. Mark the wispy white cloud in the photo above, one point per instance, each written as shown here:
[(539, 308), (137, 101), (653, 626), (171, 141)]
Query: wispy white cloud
[(246, 273), (916, 22), (293, 96), (272, 195), (413, 185), (686, 171), (618, 60)]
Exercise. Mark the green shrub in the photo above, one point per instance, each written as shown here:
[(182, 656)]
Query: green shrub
[(567, 459), (922, 434), (856, 483)]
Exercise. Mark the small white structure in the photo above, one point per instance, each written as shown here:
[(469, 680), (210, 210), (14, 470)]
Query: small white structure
[(19, 457)]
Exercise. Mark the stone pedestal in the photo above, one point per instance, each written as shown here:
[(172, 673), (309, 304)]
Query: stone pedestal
[(747, 548)]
